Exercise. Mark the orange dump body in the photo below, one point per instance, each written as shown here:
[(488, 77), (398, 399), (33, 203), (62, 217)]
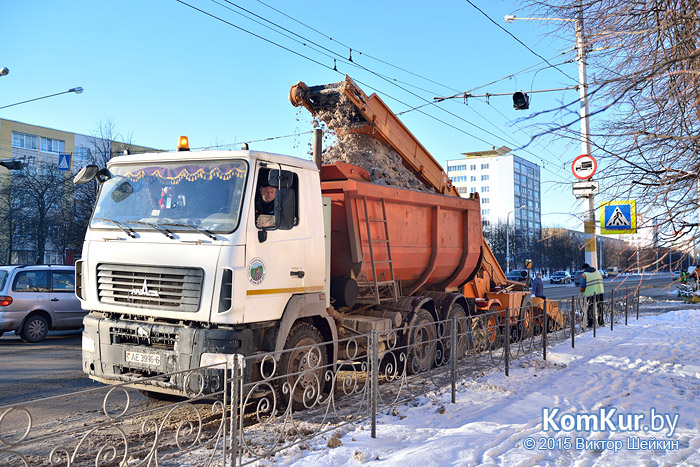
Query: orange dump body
[(435, 240)]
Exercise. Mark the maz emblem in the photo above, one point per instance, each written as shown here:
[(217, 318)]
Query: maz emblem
[(144, 292)]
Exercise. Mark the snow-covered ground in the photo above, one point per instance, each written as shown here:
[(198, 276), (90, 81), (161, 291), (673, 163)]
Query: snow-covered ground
[(651, 365)]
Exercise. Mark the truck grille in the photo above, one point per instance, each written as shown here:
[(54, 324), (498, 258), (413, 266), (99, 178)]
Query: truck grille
[(156, 287), (151, 338)]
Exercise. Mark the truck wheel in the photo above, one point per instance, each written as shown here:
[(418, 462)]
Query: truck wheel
[(422, 343), (457, 311), (35, 329), (527, 318), (301, 369)]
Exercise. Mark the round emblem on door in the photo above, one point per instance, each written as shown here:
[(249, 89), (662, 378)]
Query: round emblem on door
[(256, 271)]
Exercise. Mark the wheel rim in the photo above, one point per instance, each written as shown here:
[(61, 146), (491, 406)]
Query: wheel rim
[(422, 344), (491, 330), (36, 328), (305, 368)]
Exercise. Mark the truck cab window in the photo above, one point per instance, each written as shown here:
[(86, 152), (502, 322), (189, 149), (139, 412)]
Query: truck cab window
[(276, 199)]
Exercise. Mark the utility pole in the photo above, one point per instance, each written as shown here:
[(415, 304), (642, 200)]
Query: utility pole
[(589, 215), (589, 212)]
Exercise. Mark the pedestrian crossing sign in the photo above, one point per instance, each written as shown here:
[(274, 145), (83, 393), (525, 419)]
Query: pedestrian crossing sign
[(618, 217), (64, 162)]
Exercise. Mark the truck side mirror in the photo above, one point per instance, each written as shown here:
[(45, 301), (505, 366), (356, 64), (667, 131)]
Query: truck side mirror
[(85, 174), (280, 179), (262, 236)]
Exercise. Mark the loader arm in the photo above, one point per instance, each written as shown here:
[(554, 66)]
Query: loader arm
[(373, 117)]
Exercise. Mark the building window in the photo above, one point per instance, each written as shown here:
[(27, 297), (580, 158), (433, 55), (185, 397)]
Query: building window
[(472, 167), (484, 201), (24, 141), (52, 145), (484, 166), (484, 189), (530, 171), (484, 177), (485, 223), (81, 158), (472, 190), (485, 212), (472, 178)]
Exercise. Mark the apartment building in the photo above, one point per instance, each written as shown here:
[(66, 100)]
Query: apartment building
[(508, 186)]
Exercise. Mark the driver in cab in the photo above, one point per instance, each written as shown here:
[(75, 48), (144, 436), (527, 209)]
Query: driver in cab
[(265, 205)]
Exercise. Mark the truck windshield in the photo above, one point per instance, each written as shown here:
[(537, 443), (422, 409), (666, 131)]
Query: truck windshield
[(175, 196)]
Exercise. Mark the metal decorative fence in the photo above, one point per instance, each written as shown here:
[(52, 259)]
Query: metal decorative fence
[(261, 410)]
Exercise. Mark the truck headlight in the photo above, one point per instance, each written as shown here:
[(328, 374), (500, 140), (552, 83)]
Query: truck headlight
[(88, 344)]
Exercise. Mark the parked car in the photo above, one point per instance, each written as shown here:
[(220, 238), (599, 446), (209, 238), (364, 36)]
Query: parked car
[(38, 298), (676, 275), (560, 277), (612, 272), (520, 275), (577, 277), (513, 275)]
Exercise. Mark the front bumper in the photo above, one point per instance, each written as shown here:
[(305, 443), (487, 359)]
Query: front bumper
[(168, 356)]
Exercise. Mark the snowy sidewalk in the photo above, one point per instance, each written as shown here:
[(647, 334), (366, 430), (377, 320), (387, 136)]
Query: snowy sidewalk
[(653, 363)]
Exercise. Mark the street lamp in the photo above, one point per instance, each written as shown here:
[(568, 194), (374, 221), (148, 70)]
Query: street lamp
[(4, 71), (76, 90), (589, 218), (508, 239)]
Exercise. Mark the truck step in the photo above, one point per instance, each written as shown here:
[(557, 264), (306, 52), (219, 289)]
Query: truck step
[(364, 324)]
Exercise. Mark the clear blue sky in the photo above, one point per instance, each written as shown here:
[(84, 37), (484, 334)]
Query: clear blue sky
[(160, 69)]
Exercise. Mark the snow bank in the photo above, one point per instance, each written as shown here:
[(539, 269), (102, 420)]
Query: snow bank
[(653, 363)]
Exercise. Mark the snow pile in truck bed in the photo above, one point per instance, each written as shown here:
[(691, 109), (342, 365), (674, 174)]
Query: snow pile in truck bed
[(380, 160)]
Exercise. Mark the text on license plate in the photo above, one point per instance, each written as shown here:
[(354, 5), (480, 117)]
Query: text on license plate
[(146, 358)]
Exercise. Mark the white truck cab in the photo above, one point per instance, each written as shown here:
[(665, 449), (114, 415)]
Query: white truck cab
[(175, 268)]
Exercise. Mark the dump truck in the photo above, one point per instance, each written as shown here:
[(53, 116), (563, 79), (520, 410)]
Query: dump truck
[(178, 271)]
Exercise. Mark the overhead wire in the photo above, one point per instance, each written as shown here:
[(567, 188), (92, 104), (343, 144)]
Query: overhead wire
[(518, 40), (351, 49), (336, 70), (390, 80), (332, 53), (364, 84)]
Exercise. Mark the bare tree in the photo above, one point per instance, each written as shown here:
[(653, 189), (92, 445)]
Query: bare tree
[(644, 61), (37, 197), (6, 219)]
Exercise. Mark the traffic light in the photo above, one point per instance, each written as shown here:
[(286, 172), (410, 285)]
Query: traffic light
[(521, 101), (12, 165)]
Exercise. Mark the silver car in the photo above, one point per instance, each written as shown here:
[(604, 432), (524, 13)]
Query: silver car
[(38, 298)]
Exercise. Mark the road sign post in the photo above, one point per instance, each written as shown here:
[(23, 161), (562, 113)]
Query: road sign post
[(583, 168)]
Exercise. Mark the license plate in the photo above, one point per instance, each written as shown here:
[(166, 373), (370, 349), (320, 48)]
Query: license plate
[(145, 358)]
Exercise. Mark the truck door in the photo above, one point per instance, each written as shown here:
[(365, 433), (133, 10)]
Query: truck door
[(276, 247)]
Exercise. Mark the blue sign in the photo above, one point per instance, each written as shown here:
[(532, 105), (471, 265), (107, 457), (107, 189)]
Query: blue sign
[(64, 162), (618, 217)]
